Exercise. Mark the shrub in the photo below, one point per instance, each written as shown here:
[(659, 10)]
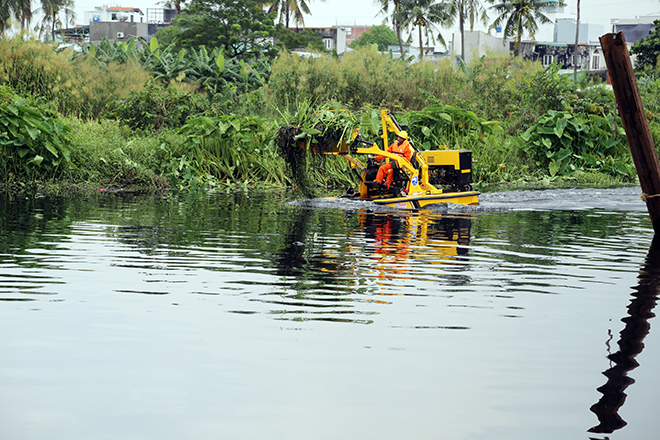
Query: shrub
[(107, 154), (488, 86), (33, 142), (543, 91), (448, 126), (229, 148), (82, 87), (156, 106), (563, 142), (367, 78)]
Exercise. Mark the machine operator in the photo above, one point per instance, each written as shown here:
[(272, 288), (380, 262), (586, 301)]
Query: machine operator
[(400, 146)]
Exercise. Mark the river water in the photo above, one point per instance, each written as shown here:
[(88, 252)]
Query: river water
[(234, 315)]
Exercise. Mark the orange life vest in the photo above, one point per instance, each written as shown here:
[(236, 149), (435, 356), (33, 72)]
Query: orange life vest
[(403, 149)]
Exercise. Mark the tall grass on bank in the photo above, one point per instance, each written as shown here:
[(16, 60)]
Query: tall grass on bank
[(80, 88), (361, 78), (368, 78), (107, 154)]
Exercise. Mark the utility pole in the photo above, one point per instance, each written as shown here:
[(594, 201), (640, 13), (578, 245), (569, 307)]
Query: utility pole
[(577, 38)]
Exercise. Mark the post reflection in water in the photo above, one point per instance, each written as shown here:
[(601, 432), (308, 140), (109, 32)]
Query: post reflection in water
[(637, 326)]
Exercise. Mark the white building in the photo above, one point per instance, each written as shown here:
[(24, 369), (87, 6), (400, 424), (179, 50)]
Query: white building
[(634, 29), (114, 14), (478, 43), (564, 32), (116, 23)]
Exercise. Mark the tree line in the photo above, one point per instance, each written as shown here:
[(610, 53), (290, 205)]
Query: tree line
[(246, 27), (207, 22), (53, 13)]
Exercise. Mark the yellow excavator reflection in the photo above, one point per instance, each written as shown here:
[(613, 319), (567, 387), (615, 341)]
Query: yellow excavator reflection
[(394, 240)]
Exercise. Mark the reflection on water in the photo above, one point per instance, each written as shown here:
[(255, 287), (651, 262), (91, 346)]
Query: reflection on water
[(214, 308), (322, 276), (630, 343)]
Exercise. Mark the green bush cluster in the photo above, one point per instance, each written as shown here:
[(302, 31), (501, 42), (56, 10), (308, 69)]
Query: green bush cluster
[(158, 105), (109, 154), (229, 148), (202, 118), (563, 142), (79, 87), (33, 141), (360, 78)]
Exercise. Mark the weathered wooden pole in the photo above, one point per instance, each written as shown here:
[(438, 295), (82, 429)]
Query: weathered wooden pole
[(633, 116)]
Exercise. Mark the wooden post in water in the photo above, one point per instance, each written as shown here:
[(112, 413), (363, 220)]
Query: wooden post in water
[(633, 116)]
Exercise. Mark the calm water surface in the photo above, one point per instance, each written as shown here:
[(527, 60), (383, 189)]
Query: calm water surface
[(248, 316)]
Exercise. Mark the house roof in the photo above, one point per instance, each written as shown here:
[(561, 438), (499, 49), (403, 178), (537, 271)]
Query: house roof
[(120, 8)]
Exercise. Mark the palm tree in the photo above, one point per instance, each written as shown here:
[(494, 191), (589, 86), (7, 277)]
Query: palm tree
[(288, 8), (398, 16), (468, 10), (52, 10), (22, 10), (520, 16), (425, 15), (6, 14)]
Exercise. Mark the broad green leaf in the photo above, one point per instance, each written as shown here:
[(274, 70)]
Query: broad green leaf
[(131, 48), (563, 154), (554, 167), (590, 159), (621, 167), (37, 160), (495, 126), (559, 127), (445, 116), (472, 115), (51, 148), (153, 44), (220, 62), (222, 127), (33, 132), (311, 131), (181, 55), (12, 109), (546, 130)]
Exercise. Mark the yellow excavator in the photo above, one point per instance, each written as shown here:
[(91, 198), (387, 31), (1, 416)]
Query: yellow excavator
[(431, 177)]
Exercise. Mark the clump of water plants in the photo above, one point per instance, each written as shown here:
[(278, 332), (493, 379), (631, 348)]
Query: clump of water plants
[(305, 139), (34, 142)]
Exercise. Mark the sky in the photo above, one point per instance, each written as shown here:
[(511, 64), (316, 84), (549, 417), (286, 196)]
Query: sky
[(365, 12)]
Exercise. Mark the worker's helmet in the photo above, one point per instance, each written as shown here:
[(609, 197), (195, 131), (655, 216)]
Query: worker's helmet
[(403, 134)]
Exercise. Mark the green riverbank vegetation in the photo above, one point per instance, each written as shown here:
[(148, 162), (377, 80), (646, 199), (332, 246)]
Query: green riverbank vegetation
[(116, 115)]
